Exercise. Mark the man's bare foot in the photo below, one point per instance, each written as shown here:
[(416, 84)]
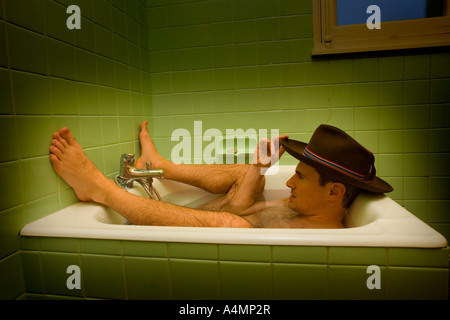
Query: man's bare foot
[(148, 150), (72, 165)]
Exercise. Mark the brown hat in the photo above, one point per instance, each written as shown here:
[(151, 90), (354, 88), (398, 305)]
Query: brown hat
[(334, 152)]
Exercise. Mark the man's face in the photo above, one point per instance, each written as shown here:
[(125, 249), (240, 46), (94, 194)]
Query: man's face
[(307, 196)]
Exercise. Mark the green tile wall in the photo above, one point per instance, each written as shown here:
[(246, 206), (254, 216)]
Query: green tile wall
[(114, 269), (247, 64), (95, 80)]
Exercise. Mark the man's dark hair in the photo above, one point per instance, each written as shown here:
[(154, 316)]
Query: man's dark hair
[(351, 192)]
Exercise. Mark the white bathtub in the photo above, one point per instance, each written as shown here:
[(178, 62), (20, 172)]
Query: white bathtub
[(376, 220)]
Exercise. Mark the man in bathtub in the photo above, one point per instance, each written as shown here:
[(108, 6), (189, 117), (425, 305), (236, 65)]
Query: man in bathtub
[(333, 169)]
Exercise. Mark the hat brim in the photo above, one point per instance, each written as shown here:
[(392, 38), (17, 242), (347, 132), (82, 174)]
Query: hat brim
[(295, 148)]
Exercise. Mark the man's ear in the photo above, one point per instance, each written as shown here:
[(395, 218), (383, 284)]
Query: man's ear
[(337, 191)]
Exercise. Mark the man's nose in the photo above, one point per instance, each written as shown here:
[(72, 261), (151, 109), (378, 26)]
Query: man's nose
[(289, 184)]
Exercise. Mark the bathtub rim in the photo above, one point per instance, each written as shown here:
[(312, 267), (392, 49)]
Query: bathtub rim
[(59, 225)]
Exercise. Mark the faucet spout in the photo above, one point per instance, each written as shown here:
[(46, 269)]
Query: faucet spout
[(129, 173)]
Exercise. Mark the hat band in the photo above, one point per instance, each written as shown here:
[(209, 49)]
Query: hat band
[(367, 178)]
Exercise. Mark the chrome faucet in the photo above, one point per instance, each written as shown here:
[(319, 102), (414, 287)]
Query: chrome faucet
[(128, 174)]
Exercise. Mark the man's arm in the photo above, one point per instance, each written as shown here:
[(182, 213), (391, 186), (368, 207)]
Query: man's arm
[(266, 154)]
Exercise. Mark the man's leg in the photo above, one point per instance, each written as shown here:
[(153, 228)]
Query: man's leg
[(89, 184), (215, 178)]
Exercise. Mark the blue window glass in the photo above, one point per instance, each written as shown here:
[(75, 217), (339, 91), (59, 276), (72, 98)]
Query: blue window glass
[(355, 11)]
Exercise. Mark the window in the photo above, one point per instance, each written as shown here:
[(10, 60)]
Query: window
[(342, 26)]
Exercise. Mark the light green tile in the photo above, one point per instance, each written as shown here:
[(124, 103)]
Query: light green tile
[(42, 207), (440, 140), (417, 141), (61, 59), (391, 93), (105, 71), (439, 65), (54, 271), (8, 145), (122, 80), (249, 280), (439, 91), (366, 69), (366, 94), (27, 14), (11, 221), (438, 164), (59, 245), (366, 118), (417, 116), (418, 257), (417, 66), (11, 277), (193, 251), (91, 134), (27, 50), (357, 256), (350, 283), (179, 37), (107, 98), (317, 72), (417, 164), (147, 278), (32, 270), (110, 129), (55, 17), (86, 66), (102, 13), (390, 165), (85, 37), (245, 54), (341, 70), (194, 279), (246, 77), (293, 75), (244, 31), (391, 141), (31, 93), (103, 276), (34, 172), (64, 97), (341, 95), (35, 134), (244, 253), (145, 249), (111, 154), (303, 255), (88, 99), (299, 281), (221, 33), (391, 68), (110, 247), (316, 97), (369, 139), (417, 92), (406, 283), (5, 91)]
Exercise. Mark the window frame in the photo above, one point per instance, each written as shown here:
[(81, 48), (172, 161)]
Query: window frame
[(329, 38)]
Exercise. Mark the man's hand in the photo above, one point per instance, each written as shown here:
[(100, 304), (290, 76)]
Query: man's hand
[(268, 152)]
